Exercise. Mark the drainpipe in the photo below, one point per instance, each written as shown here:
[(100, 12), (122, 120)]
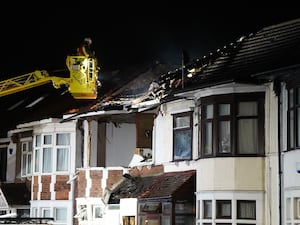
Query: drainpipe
[(277, 90), (86, 127)]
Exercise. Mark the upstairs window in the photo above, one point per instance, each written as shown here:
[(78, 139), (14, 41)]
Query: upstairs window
[(62, 151), (182, 136), (232, 125), (51, 152), (26, 149)]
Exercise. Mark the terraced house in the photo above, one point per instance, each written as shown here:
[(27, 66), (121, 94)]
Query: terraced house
[(212, 142)]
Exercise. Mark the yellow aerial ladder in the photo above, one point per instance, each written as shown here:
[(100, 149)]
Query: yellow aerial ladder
[(82, 84)]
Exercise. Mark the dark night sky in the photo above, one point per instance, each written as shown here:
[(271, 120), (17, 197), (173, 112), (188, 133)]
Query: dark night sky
[(41, 39)]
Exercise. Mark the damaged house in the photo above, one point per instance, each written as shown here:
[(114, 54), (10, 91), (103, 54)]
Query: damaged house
[(213, 142)]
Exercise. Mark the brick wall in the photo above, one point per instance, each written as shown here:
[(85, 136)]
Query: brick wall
[(61, 187), (96, 177), (45, 192), (35, 188), (81, 184), (146, 170), (114, 176)]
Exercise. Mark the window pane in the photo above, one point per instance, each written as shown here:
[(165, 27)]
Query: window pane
[(97, 212), (209, 112), (37, 161), (24, 163), (61, 214), (34, 212), (24, 146), (38, 141), (46, 212), (207, 207), (23, 213), (246, 210), (166, 220), (224, 137), (149, 220), (292, 135), (184, 220), (288, 208), (208, 139), (291, 98), (296, 208), (63, 139), (247, 136), (29, 163), (182, 144), (247, 109), (182, 121), (223, 209), (30, 146), (167, 208), (47, 160), (62, 159), (298, 127), (224, 109), (47, 139)]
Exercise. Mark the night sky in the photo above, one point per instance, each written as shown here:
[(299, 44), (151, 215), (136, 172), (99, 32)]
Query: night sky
[(42, 38)]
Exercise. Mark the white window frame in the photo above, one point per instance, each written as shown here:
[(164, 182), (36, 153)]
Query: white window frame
[(39, 153), (45, 209), (27, 154), (297, 208), (64, 221), (182, 122), (234, 197), (65, 147), (94, 212)]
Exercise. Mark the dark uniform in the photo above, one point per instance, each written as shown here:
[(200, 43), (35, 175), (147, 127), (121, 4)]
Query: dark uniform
[(85, 49)]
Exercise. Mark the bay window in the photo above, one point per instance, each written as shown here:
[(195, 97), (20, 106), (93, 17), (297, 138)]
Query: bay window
[(232, 125), (227, 211), (51, 152)]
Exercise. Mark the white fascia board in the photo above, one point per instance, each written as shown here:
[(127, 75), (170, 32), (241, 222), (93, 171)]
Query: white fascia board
[(232, 87), (96, 113), (15, 131), (4, 140), (154, 102), (38, 122), (30, 125)]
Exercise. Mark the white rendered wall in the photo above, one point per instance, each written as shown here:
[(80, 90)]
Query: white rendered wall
[(128, 207), (11, 162)]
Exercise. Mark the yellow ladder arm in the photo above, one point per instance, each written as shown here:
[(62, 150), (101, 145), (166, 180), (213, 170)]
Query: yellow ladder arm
[(30, 80)]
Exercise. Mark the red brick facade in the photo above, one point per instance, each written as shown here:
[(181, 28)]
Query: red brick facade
[(96, 189), (61, 188), (35, 187), (146, 170), (81, 184), (45, 192), (114, 176)]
